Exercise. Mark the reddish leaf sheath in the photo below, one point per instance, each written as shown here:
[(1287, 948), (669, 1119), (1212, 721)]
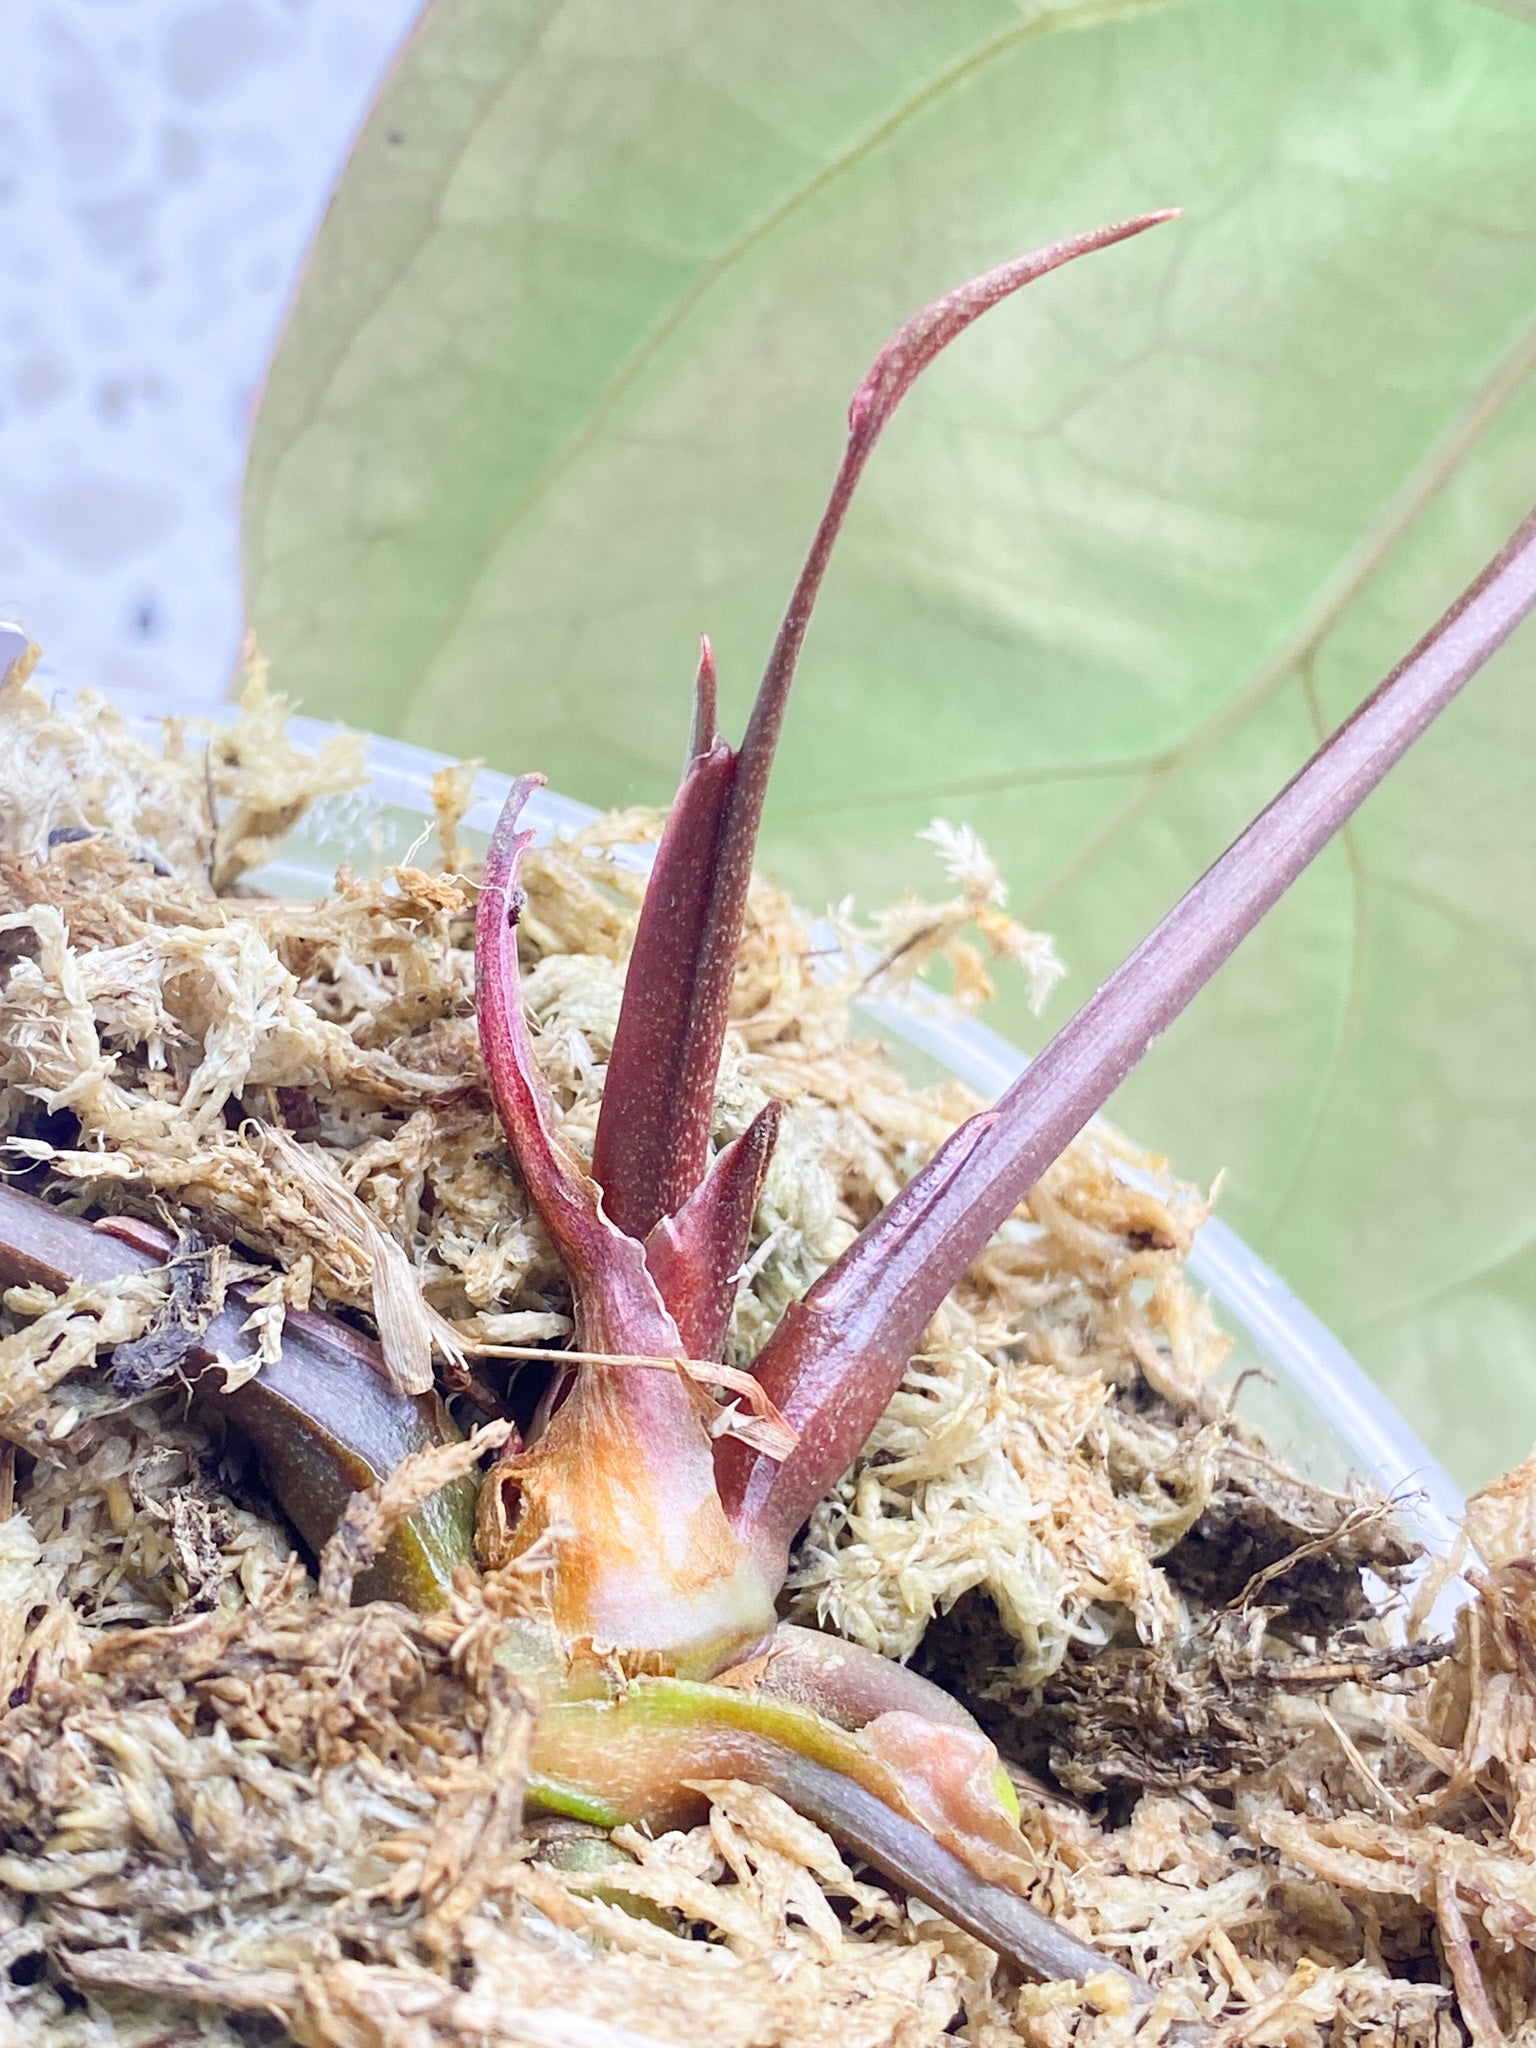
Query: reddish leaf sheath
[(695, 1255), (838, 1356), (653, 1127)]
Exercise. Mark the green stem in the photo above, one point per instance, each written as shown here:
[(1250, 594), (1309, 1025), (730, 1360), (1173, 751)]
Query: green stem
[(919, 1801)]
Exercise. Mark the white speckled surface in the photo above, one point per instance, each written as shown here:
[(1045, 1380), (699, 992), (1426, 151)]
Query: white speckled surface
[(162, 166)]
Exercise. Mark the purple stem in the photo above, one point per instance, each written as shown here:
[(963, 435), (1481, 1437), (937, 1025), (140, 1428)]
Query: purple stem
[(653, 1129), (837, 1357)]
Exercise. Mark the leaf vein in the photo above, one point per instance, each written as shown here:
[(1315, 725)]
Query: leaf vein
[(649, 347), (1347, 1030), (1328, 606)]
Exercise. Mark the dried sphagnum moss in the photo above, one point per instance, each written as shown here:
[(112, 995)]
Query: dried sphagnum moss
[(234, 1811)]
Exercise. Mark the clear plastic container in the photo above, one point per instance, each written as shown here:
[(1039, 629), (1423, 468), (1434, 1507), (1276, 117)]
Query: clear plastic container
[(1296, 1382)]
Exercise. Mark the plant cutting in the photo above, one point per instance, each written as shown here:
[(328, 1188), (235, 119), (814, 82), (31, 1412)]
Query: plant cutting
[(1136, 549), (648, 1530), (674, 1545)]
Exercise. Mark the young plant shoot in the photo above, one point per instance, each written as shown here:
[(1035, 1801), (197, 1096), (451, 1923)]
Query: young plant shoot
[(670, 1543), (659, 1662)]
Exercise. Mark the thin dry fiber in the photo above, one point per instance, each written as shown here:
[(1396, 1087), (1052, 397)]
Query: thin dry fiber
[(234, 1809)]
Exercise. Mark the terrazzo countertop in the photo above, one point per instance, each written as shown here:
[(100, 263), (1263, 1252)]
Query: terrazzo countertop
[(163, 164)]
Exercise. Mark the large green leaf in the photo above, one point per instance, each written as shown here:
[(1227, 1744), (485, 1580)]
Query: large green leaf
[(565, 384)]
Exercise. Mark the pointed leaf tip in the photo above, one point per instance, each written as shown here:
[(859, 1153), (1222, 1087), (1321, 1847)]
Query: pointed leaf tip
[(695, 1255), (909, 352), (705, 701)]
